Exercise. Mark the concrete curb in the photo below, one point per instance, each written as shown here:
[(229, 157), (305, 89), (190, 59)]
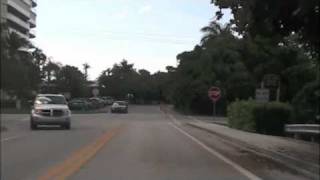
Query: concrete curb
[(307, 169), (219, 123)]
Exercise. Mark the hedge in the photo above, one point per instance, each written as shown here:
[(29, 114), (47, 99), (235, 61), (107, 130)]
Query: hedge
[(270, 118), (240, 115), (12, 104), (8, 103), (265, 118)]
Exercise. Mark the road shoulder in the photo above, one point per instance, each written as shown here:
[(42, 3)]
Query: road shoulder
[(298, 156)]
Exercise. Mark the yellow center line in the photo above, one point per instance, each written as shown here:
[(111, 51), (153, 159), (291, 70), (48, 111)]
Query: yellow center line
[(78, 159)]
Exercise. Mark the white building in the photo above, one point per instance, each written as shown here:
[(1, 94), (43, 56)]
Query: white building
[(19, 16)]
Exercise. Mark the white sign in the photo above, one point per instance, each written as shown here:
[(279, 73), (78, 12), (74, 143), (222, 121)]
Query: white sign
[(262, 95)]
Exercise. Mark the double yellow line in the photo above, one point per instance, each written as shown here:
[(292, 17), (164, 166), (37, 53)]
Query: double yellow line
[(79, 158)]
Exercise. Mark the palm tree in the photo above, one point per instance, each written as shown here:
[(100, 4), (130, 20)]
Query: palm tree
[(16, 44), (213, 30), (210, 31), (39, 57), (86, 66), (14, 65)]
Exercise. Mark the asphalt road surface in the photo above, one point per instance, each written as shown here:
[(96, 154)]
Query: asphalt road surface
[(145, 144)]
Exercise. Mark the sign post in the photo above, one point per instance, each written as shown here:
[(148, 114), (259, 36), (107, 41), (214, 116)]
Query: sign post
[(214, 93), (272, 82)]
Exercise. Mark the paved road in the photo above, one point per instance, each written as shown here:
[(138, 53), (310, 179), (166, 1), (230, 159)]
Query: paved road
[(145, 144)]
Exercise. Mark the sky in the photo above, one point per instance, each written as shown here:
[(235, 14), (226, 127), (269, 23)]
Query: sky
[(147, 33)]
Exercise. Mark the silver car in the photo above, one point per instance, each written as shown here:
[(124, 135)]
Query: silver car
[(50, 109), (119, 106)]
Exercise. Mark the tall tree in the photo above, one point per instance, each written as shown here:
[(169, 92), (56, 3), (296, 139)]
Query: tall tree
[(123, 79), (20, 74), (71, 79), (13, 64), (276, 19)]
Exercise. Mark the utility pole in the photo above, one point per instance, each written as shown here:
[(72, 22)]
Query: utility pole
[(318, 93), (86, 66)]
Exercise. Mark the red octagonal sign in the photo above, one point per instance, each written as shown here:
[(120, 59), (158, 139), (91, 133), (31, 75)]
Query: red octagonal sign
[(214, 93)]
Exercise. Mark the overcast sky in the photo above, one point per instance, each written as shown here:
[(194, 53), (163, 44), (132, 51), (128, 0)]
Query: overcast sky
[(148, 33)]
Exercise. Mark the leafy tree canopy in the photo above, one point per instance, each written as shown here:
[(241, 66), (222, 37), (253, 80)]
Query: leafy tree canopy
[(276, 19)]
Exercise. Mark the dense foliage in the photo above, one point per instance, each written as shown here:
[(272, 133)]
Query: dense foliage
[(276, 19), (265, 37), (270, 118), (264, 118), (71, 79), (237, 66), (240, 115), (26, 70), (20, 68), (122, 81)]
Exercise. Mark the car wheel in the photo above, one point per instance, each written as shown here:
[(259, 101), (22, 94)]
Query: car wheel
[(33, 126), (67, 126)]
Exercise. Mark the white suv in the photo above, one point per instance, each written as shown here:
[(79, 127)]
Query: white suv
[(50, 109)]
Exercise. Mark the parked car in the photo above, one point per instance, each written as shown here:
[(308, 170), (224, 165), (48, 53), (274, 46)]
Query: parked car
[(109, 100), (119, 106), (104, 100), (96, 102), (50, 109), (79, 104)]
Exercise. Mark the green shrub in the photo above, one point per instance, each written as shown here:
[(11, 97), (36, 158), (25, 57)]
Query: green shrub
[(265, 118), (8, 103), (11, 104), (270, 118), (306, 103), (240, 115)]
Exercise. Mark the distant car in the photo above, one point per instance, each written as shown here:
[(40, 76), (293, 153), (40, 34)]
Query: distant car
[(50, 109), (79, 104), (108, 99), (119, 106), (104, 101), (96, 102)]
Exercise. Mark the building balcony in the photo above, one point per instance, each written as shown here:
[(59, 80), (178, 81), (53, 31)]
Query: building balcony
[(19, 8), (19, 33), (22, 24), (34, 10), (32, 23), (28, 2), (32, 33), (34, 3), (32, 20)]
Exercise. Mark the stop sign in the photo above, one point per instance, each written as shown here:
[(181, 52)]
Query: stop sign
[(214, 93)]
